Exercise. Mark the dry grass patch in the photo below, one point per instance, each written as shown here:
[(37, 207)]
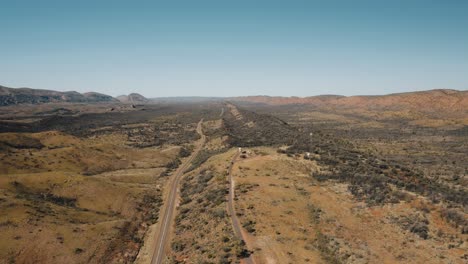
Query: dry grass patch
[(77, 200), (295, 219)]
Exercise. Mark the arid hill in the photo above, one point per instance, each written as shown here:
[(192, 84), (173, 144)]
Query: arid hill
[(133, 98), (426, 101), (14, 96)]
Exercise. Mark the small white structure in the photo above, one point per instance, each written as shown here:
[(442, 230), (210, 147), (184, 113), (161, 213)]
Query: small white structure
[(240, 150)]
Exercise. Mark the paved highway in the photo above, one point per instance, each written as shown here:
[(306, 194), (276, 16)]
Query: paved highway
[(167, 215)]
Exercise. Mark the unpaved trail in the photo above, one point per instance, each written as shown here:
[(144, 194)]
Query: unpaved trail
[(232, 212)]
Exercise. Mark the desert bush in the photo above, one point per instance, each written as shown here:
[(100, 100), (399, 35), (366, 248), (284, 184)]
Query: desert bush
[(415, 223), (174, 164), (21, 141), (421, 229), (202, 157), (178, 246), (329, 252), (60, 200), (23, 191), (249, 226), (239, 248), (350, 164), (184, 152), (401, 196), (219, 212), (456, 218), (8, 223), (216, 196), (314, 213), (200, 185), (266, 130)]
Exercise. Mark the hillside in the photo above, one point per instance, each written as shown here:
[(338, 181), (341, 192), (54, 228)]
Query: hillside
[(426, 101), (133, 98), (15, 96)]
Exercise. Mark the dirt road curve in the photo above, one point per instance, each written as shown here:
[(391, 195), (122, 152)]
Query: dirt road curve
[(235, 221), (167, 214)]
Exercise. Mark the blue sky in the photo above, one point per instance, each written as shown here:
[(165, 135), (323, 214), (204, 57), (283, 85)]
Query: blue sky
[(228, 48)]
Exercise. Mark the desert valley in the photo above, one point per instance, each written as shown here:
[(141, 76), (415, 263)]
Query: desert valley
[(89, 178)]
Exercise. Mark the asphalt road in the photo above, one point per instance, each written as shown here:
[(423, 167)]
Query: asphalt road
[(167, 214)]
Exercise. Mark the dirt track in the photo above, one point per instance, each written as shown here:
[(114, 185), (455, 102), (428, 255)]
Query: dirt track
[(232, 212)]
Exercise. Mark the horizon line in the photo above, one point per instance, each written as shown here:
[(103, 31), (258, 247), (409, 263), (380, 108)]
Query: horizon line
[(254, 95)]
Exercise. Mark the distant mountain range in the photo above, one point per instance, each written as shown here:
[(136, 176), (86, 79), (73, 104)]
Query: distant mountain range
[(186, 99), (15, 96), (432, 100)]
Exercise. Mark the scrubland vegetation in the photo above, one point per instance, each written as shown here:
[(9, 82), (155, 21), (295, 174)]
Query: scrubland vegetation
[(85, 188), (311, 185), (378, 175)]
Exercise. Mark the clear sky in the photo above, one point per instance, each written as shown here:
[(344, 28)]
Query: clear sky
[(234, 47)]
